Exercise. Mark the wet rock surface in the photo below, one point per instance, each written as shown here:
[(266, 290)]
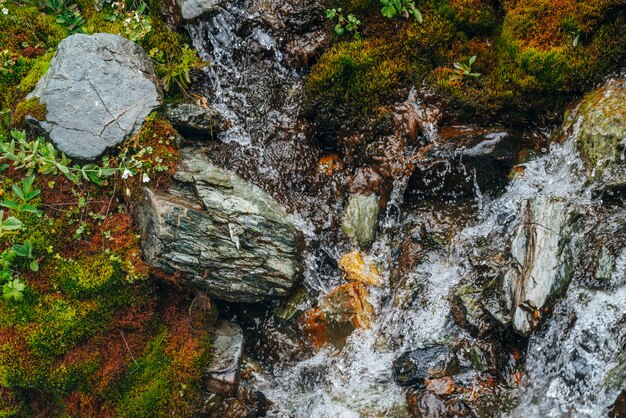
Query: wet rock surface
[(360, 219), (193, 9), (598, 124), (414, 367), (338, 314), (222, 374), (194, 121), (97, 92), (220, 233), (543, 256), (462, 161)]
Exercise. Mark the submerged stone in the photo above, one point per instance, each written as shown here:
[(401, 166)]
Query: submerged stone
[(98, 91), (462, 162), (222, 375), (357, 269), (219, 233), (414, 367), (339, 313), (360, 219)]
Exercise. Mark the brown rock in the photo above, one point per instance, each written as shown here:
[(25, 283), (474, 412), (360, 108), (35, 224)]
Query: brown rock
[(442, 386), (339, 313), (358, 270)]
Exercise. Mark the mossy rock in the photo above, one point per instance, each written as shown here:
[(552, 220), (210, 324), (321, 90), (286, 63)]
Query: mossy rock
[(598, 124)]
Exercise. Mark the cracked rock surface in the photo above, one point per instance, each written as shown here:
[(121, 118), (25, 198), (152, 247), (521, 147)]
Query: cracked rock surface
[(220, 233), (97, 92)]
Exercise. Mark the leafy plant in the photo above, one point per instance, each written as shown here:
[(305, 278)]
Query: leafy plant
[(26, 250), (136, 23), (9, 225), (176, 69), (14, 290), (67, 14), (344, 23), (24, 193), (7, 62), (41, 157), (404, 7), (462, 70)]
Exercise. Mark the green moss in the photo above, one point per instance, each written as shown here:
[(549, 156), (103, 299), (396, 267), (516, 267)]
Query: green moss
[(145, 391), (350, 79), (30, 107), (38, 69), (470, 16), (88, 276)]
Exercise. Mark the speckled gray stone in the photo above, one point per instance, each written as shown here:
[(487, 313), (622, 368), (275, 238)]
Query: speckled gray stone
[(97, 92)]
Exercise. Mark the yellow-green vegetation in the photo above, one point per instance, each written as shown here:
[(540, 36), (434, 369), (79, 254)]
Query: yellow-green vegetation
[(30, 107), (83, 331), (530, 54)]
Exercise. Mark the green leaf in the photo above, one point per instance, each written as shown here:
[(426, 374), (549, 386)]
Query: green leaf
[(18, 191), (388, 11), (11, 224), (27, 184), (472, 60), (9, 204), (34, 265), (14, 290)]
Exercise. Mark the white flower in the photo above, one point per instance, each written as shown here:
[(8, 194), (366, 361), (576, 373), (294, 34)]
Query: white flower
[(145, 178), (5, 11), (127, 173)]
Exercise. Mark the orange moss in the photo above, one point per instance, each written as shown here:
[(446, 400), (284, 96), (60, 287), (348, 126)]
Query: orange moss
[(547, 24)]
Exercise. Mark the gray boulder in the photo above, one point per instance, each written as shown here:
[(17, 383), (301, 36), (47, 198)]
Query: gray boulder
[(97, 92), (543, 259), (193, 9), (222, 375), (220, 233)]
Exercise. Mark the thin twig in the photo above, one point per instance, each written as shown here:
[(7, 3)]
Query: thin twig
[(128, 348)]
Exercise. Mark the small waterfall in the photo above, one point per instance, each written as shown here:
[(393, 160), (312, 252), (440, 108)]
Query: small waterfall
[(249, 85)]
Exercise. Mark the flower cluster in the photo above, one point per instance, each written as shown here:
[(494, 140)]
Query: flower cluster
[(136, 24)]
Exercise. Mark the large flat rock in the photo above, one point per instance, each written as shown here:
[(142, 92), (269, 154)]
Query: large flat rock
[(219, 233), (98, 91)]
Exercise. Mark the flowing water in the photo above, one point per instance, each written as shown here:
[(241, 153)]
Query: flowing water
[(568, 360)]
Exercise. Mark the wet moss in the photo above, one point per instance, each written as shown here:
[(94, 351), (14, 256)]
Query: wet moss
[(30, 107), (533, 56)]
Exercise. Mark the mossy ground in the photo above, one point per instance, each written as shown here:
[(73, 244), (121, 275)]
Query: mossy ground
[(92, 336), (533, 57)]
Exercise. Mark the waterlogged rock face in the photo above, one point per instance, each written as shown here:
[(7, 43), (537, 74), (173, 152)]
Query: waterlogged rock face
[(543, 257), (223, 372), (339, 313), (360, 219), (414, 367), (98, 91), (220, 233), (193, 9), (598, 124), (195, 121)]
